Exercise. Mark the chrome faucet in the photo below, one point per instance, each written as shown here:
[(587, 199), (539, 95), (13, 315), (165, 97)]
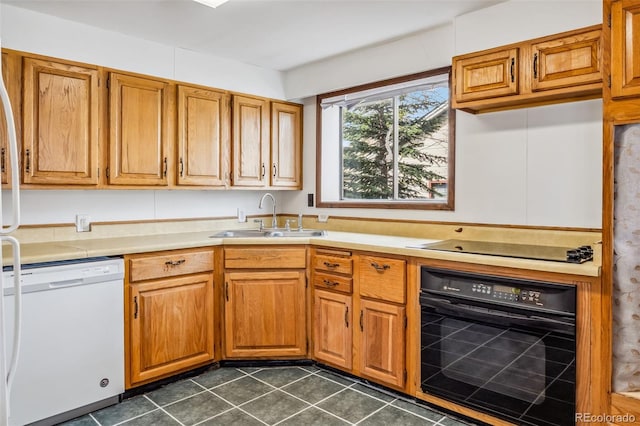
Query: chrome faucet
[(274, 223)]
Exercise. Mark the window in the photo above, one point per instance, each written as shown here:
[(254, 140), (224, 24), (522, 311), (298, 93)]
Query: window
[(388, 144)]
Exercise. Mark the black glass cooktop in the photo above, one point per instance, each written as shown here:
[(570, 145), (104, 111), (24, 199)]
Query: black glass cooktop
[(525, 251)]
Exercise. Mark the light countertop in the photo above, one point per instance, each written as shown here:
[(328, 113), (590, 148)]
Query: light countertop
[(77, 249)]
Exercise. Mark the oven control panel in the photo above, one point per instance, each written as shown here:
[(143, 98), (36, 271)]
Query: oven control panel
[(496, 292), (527, 295)]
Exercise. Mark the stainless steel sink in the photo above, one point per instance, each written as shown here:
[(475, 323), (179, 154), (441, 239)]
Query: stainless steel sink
[(295, 233), (255, 233), (239, 233)]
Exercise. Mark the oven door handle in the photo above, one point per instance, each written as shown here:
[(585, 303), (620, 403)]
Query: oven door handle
[(446, 307)]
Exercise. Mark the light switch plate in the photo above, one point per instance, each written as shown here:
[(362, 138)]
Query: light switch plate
[(323, 218), (242, 217)]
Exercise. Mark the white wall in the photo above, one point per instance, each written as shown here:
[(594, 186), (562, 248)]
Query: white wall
[(533, 166), (537, 166), (47, 35)]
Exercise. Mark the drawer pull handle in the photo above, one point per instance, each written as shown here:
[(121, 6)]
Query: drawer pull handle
[(513, 74), (330, 283), (331, 265), (135, 304), (361, 320), (226, 290), (175, 262), (346, 317), (380, 268)]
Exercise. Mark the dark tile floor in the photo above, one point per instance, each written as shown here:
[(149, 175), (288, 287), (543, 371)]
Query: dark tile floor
[(292, 396)]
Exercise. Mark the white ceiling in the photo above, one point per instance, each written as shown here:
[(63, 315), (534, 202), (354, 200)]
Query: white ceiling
[(275, 34)]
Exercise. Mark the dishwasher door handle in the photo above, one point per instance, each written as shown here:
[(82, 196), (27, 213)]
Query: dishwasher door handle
[(66, 283)]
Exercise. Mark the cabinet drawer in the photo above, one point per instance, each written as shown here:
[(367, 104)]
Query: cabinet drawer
[(169, 265), (339, 265), (265, 258), (382, 278), (333, 282)]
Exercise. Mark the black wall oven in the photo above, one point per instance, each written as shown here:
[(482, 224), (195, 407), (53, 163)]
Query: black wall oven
[(502, 346)]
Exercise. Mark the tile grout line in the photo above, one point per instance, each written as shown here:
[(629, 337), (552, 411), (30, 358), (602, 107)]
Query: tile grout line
[(95, 420), (164, 411)]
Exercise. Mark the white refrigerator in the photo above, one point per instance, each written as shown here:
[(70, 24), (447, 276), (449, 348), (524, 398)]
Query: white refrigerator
[(8, 361)]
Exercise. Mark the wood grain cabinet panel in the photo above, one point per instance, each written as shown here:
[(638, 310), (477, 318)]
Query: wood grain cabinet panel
[(333, 323), (383, 278), (265, 314), (12, 76), (486, 75), (557, 68), (286, 145), (382, 342), (250, 141), (61, 125), (139, 131), (172, 326), (625, 48), (203, 137), (567, 61)]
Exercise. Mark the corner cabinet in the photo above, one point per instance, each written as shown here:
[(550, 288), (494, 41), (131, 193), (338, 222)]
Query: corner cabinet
[(625, 42), (265, 302), (203, 137), (140, 130), (558, 68), (61, 123), (267, 143), (169, 313)]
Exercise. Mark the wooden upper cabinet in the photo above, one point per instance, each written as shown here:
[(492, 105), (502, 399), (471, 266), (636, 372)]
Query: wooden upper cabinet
[(12, 76), (203, 137), (486, 75), (286, 145), (558, 68), (61, 123), (139, 130), (250, 141), (625, 42), (567, 61)]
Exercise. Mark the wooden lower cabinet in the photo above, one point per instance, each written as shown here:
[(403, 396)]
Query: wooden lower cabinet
[(171, 325), (333, 324), (265, 314), (382, 342)]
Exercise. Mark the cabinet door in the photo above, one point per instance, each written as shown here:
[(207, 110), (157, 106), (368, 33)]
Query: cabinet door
[(250, 141), (625, 45), (286, 145), (203, 137), (567, 61), (60, 123), (382, 342), (171, 325), (486, 75), (139, 135), (265, 314), (332, 342), (12, 77)]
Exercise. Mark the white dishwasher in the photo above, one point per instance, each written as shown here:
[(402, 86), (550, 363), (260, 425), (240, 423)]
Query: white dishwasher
[(71, 358)]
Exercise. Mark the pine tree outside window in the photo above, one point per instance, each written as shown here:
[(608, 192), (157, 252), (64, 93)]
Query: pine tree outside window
[(388, 144)]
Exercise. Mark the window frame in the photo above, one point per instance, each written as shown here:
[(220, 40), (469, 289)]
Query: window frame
[(448, 204)]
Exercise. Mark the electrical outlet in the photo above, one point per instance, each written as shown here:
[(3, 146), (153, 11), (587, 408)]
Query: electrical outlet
[(242, 217), (83, 223), (309, 200), (323, 218)]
